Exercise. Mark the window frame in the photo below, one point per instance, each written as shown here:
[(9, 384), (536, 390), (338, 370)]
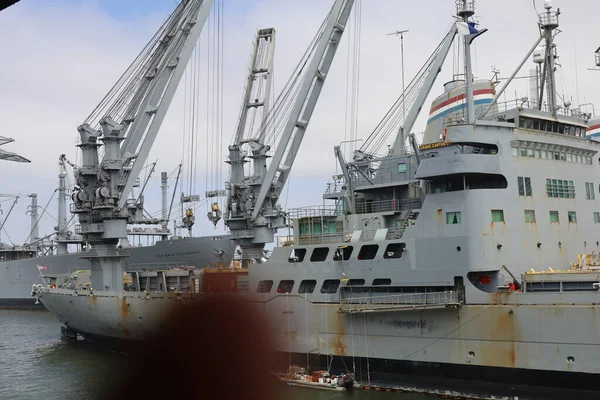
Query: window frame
[(337, 286), (454, 214), (305, 284), (531, 213), (501, 213)]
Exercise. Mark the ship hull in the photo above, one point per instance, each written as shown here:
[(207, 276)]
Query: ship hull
[(512, 349), (494, 349), (17, 277)]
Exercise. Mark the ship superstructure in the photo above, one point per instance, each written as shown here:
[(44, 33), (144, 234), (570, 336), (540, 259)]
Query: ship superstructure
[(428, 261)]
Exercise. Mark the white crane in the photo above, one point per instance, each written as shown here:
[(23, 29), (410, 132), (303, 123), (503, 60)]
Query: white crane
[(254, 218), (125, 124)]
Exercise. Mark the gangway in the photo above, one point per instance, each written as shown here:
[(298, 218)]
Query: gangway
[(352, 304)]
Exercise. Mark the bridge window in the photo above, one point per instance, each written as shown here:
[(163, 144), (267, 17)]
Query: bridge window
[(394, 250), (401, 167), (537, 124), (497, 215), (597, 217), (382, 282), (307, 286), (589, 191), (530, 216), (524, 185), (297, 255), (330, 286), (319, 254), (342, 253), (264, 286), (285, 287), (368, 252), (572, 217), (559, 188), (453, 218), (554, 217)]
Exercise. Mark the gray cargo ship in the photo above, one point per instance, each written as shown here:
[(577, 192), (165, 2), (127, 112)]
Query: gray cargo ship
[(471, 258)]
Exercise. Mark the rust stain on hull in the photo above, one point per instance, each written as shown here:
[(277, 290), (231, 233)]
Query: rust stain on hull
[(124, 308), (501, 350), (337, 342)]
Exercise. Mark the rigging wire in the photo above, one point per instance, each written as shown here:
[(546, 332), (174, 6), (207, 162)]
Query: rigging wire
[(390, 124)]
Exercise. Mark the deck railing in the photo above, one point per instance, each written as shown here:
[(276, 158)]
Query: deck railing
[(353, 303)]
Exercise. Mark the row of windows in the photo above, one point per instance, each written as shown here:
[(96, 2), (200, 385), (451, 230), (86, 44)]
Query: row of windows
[(551, 127), (308, 286), (555, 188), (343, 253), (551, 155), (454, 217), (559, 188)]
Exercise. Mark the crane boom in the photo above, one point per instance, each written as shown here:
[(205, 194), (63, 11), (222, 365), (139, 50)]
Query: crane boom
[(293, 133), (158, 102)]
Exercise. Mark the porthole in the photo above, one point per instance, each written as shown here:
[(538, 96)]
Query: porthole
[(570, 359), (458, 248), (471, 354)]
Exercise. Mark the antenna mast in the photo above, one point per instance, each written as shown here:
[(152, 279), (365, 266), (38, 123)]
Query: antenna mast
[(465, 9), (401, 33), (549, 23)]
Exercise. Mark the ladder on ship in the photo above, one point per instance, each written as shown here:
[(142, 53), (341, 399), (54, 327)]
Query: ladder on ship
[(399, 302)]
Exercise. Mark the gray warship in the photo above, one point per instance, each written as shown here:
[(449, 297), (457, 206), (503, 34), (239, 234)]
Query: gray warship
[(63, 252), (148, 244), (471, 258)]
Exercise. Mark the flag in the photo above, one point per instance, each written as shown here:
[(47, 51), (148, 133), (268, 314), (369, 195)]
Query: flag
[(472, 29), (42, 268), (466, 28), (463, 28)]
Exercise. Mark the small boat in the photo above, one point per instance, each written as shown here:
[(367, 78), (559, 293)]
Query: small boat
[(298, 376)]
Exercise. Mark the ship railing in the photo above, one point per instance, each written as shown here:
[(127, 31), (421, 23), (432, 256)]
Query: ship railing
[(549, 19), (529, 105), (365, 235), (148, 267), (314, 212), (334, 187), (353, 303), (323, 238), (393, 205)]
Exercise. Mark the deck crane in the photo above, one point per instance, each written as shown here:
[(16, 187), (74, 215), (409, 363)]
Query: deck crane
[(125, 124), (256, 223), (365, 165), (257, 96)]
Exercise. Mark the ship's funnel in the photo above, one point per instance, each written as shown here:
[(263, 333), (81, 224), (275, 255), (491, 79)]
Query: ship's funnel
[(593, 130)]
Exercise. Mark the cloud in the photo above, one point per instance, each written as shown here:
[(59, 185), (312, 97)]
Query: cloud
[(62, 57)]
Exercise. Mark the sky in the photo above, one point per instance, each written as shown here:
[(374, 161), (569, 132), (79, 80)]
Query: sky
[(62, 56)]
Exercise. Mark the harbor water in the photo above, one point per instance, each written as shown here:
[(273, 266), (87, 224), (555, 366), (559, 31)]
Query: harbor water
[(36, 364)]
